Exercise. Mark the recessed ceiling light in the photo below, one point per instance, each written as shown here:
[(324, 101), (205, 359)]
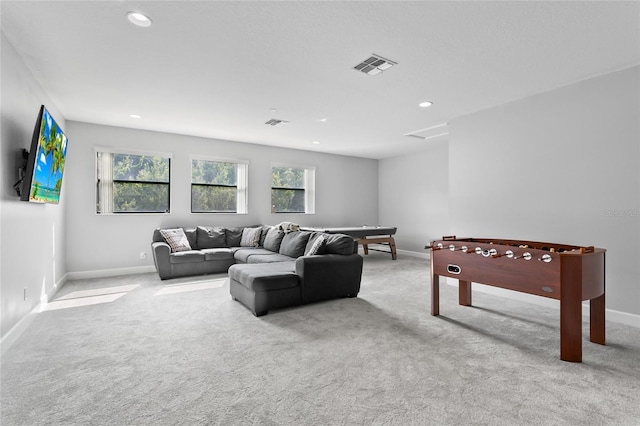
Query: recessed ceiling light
[(134, 116), (322, 120), (426, 104), (139, 19), (315, 143)]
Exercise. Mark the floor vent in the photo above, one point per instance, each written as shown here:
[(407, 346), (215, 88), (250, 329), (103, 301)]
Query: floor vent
[(276, 123), (375, 64)]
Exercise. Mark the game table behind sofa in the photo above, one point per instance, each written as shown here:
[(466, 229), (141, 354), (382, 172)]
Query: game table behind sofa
[(364, 235)]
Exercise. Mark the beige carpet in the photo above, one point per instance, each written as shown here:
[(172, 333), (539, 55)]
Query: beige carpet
[(135, 350)]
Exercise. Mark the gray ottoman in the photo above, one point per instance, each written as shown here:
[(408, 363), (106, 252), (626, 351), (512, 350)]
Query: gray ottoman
[(264, 286)]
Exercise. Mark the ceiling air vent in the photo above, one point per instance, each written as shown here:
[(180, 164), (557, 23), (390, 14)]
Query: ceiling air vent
[(276, 123), (375, 64), (432, 132)]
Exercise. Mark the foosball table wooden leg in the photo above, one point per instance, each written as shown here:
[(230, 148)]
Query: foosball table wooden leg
[(597, 320), (435, 295), (464, 293), (570, 327)]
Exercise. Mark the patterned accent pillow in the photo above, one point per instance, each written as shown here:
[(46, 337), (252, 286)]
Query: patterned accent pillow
[(317, 247), (177, 239), (250, 237)]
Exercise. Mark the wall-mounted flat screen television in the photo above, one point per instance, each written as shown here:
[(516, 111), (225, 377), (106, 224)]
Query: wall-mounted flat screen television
[(45, 165)]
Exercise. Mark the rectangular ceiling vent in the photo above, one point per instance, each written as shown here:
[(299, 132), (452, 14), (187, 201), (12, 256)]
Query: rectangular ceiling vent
[(432, 132), (276, 123), (375, 64)]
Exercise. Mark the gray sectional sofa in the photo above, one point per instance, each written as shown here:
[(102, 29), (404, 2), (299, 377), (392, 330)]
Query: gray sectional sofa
[(268, 268)]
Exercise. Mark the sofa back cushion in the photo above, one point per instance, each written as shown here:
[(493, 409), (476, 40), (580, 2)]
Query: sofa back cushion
[(263, 235), (191, 234), (294, 243), (210, 237), (234, 236), (273, 240), (340, 244)]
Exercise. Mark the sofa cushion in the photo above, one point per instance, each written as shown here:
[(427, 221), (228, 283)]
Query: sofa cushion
[(265, 277), (339, 244), (273, 239), (294, 243), (234, 235), (250, 237), (315, 245), (210, 237), (221, 253), (176, 239), (187, 257), (191, 236), (263, 235), (243, 253), (269, 258)]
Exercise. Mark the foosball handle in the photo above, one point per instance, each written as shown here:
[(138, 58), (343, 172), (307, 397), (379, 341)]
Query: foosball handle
[(589, 249)]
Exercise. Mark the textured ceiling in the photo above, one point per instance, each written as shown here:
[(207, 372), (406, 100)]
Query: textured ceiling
[(215, 69)]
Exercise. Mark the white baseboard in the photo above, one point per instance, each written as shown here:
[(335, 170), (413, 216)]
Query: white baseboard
[(15, 332), (104, 273), (610, 314), (417, 254), (404, 253), (12, 335)]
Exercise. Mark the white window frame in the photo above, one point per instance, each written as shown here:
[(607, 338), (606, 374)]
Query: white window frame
[(107, 190), (242, 199), (309, 186)]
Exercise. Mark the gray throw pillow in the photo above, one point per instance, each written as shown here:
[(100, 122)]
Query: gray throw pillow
[(273, 240), (210, 237), (294, 243), (250, 237)]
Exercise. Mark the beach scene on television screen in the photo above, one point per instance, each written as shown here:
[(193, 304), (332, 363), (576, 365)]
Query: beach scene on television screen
[(49, 164)]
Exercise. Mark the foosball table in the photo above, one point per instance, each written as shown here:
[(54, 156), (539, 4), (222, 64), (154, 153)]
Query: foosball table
[(567, 273)]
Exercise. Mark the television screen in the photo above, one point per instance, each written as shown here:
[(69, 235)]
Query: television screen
[(45, 166)]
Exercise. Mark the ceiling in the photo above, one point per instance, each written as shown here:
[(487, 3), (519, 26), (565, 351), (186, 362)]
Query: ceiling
[(217, 69)]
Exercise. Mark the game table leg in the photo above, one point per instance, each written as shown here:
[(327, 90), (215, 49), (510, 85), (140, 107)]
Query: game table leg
[(435, 291), (464, 293), (597, 320)]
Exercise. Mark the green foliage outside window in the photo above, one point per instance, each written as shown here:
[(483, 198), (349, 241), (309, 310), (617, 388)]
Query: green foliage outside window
[(139, 183), (287, 190), (214, 186)]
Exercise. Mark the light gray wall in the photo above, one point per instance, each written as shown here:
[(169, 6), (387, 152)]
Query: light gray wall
[(346, 193), (413, 195), (32, 249), (561, 166)]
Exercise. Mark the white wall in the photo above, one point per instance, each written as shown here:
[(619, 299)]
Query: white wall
[(32, 249), (562, 166), (413, 195), (346, 193)]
